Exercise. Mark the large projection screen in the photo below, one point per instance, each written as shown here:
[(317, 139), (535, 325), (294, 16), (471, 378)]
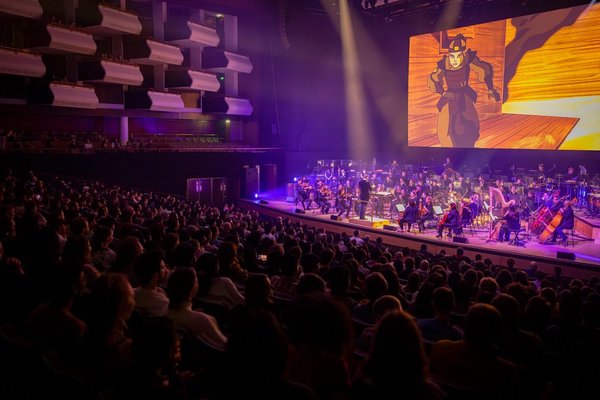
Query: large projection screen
[(530, 82)]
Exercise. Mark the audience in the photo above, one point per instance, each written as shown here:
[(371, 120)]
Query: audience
[(83, 269)]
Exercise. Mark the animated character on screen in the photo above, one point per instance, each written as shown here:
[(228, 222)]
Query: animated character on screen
[(458, 122)]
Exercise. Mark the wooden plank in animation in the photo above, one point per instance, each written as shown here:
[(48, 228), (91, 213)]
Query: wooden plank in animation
[(514, 131)]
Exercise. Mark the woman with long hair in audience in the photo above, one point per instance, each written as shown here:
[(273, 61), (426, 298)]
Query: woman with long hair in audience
[(396, 366), (105, 351), (214, 288)]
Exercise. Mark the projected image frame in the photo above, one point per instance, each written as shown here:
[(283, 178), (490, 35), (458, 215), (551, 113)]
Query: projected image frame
[(522, 83)]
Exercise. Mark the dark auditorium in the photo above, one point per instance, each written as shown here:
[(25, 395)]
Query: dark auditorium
[(299, 199)]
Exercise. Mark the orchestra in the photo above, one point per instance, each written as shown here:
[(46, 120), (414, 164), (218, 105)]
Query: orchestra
[(409, 195)]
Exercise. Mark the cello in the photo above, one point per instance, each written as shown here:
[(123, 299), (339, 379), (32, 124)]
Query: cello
[(495, 223), (554, 222)]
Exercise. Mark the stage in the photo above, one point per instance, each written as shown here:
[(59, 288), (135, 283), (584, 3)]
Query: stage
[(585, 253)]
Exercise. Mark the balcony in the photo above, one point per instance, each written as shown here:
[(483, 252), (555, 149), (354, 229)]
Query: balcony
[(15, 62), (224, 61), (107, 20), (187, 79), (59, 39), (190, 34), (22, 8), (226, 105), (62, 95), (153, 101), (105, 71), (151, 52)]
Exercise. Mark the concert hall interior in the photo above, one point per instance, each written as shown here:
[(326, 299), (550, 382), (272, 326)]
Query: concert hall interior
[(314, 172)]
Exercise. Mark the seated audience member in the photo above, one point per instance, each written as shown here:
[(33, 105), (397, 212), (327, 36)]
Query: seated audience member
[(320, 334), (284, 284), (102, 256), (150, 270), (376, 287), (383, 306), (472, 363), (310, 283), (182, 287), (522, 348), (214, 288), (439, 327), (396, 366), (339, 285), (153, 375), (52, 325), (228, 264), (256, 359), (105, 351)]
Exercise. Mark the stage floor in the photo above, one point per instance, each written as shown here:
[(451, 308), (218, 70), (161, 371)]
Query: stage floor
[(585, 251)]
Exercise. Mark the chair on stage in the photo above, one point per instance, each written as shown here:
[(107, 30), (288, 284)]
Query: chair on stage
[(467, 223), (516, 240), (570, 233)]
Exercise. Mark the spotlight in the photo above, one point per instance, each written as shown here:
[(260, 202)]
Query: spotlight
[(256, 195), (295, 179)]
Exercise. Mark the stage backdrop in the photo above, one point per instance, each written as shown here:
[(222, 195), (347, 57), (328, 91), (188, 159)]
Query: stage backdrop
[(528, 82)]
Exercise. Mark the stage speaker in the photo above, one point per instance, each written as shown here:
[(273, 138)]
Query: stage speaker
[(460, 239), (263, 202), (565, 255), (300, 211), (335, 217), (390, 228)]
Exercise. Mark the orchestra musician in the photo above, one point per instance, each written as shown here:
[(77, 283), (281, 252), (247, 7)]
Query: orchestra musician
[(571, 175), (513, 195), (410, 216), (425, 213), (322, 197), (364, 195), (474, 206), (529, 204), (303, 189), (513, 222), (343, 201), (449, 220), (541, 178), (567, 222)]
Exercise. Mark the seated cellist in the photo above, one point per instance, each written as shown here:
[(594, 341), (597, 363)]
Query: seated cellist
[(450, 222), (567, 222)]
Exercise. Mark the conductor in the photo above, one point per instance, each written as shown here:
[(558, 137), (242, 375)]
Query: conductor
[(364, 188)]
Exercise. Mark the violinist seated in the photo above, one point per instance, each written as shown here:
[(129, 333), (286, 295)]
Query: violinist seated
[(450, 220), (303, 189), (426, 213), (410, 216), (322, 198), (513, 223), (343, 202), (567, 222)]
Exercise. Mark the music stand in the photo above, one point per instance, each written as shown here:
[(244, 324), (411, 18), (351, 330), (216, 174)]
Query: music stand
[(400, 208), (437, 210)]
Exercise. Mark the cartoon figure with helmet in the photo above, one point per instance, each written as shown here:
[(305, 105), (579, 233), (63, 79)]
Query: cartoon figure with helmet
[(458, 121)]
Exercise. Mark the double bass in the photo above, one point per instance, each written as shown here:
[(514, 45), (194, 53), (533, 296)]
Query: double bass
[(495, 223), (554, 222)]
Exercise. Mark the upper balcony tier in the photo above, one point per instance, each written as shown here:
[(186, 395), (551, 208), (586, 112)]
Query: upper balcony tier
[(103, 19), (17, 62), (151, 52), (22, 8), (189, 34), (59, 39)]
